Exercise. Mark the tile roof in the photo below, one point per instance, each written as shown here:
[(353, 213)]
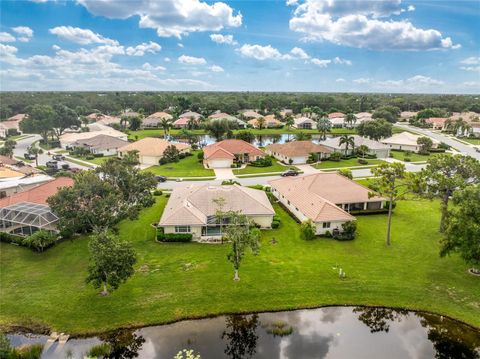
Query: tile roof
[(299, 120), (102, 142), (194, 203), (336, 115), (38, 194), (231, 147), (405, 138), (7, 172), (358, 140), (17, 117), (189, 114), (317, 195), (436, 120), (251, 114), (151, 146), (297, 148)]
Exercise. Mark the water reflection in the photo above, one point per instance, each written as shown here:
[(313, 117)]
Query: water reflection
[(336, 332), (241, 336)]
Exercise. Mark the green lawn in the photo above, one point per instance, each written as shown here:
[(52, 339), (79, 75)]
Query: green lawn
[(415, 157), (96, 160), (187, 167), (275, 167), (346, 163), (178, 281), (473, 141)]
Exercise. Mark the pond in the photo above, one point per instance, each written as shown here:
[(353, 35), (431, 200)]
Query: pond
[(332, 332), (260, 140)]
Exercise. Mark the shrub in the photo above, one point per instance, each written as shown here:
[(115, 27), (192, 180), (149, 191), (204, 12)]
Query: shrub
[(229, 182), (174, 237), (182, 155), (188, 154), (257, 186), (349, 231), (100, 351), (443, 146), (262, 162), (157, 192), (200, 155), (89, 158), (335, 156), (194, 147), (346, 173), (167, 195), (40, 240), (362, 161), (307, 230), (277, 218), (98, 155), (275, 224), (328, 234), (407, 159)]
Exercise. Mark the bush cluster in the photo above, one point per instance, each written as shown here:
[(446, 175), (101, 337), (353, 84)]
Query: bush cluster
[(262, 162), (348, 233), (276, 221), (38, 241), (173, 237)]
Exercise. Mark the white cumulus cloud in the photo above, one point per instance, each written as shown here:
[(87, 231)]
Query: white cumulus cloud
[(140, 50), (169, 17), (148, 67), (81, 36), (357, 24), (260, 52), (6, 37), (24, 33), (300, 53), (320, 62), (191, 60), (361, 80), (223, 39), (216, 68)]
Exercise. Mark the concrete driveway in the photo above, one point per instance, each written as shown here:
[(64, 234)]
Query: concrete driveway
[(224, 173), (307, 169)]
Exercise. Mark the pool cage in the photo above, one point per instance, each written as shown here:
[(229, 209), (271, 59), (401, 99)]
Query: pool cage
[(25, 218)]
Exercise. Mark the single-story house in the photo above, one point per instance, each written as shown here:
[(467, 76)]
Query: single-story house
[(95, 129), (438, 123), (150, 149), (11, 124), (101, 144), (155, 118), (192, 209), (249, 114), (109, 120), (222, 154), (297, 152), (269, 122), (190, 114), (337, 119), (183, 122), (362, 117), (26, 212), (304, 123), (225, 116), (285, 112), (406, 115), (475, 129), (10, 186), (375, 148), (325, 198), (405, 141)]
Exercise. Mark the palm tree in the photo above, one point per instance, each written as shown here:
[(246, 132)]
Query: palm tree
[(323, 126), (166, 125), (34, 150), (192, 123), (350, 119), (289, 121), (347, 141), (260, 123), (124, 121), (302, 136)]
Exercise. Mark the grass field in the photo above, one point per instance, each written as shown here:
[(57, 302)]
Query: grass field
[(187, 167), (96, 160), (473, 141), (275, 167), (415, 157), (178, 281), (346, 163)]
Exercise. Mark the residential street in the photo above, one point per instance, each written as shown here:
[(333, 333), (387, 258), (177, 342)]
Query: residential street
[(462, 148)]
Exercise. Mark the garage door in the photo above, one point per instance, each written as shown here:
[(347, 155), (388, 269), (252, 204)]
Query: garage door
[(220, 163), (149, 160)]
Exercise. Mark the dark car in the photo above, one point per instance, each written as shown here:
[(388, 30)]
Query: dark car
[(52, 164), (477, 149), (289, 173), (58, 157), (65, 166), (161, 178), (29, 156)]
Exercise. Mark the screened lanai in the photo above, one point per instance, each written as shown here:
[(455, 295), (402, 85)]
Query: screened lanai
[(25, 218)]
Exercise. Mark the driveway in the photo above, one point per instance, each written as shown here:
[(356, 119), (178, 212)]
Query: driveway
[(224, 173), (307, 169)]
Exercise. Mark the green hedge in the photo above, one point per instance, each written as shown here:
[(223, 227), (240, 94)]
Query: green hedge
[(173, 237)]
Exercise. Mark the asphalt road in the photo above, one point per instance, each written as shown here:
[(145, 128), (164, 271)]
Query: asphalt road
[(23, 144)]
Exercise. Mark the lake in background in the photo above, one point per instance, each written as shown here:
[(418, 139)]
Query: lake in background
[(332, 332)]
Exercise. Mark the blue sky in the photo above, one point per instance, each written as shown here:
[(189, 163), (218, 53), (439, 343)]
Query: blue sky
[(292, 45)]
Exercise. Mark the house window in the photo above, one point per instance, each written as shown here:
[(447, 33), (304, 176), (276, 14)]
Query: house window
[(326, 224), (182, 229)]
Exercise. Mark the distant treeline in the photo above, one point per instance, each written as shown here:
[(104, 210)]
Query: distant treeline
[(231, 102)]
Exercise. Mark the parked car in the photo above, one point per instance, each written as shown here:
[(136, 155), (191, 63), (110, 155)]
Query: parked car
[(58, 157), (29, 156), (289, 173), (52, 164), (65, 166), (161, 178), (477, 149)]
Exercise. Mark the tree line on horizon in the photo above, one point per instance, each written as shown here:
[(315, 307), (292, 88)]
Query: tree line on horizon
[(206, 103)]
